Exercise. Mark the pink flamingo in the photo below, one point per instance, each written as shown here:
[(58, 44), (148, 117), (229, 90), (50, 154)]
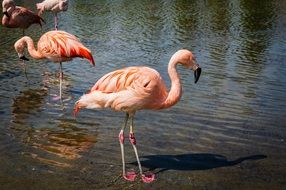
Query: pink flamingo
[(135, 88), (18, 17), (55, 6), (57, 46)]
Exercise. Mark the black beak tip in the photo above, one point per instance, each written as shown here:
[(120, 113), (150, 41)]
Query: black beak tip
[(6, 13), (197, 74), (24, 58)]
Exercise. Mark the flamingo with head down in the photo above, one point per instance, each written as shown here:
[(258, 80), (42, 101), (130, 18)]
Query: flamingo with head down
[(18, 17), (136, 88), (57, 46)]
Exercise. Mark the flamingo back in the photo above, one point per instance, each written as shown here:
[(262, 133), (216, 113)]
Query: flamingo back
[(62, 46), (53, 5), (21, 17), (128, 89), (117, 80)]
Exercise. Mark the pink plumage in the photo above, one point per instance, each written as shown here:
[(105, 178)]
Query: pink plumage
[(127, 90), (55, 6), (57, 46)]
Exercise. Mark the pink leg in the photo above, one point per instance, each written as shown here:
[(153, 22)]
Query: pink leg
[(61, 80), (130, 176), (56, 22), (146, 178), (121, 137)]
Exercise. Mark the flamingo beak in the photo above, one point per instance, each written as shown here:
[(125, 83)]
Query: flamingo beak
[(197, 74), (23, 57), (76, 109), (6, 13)]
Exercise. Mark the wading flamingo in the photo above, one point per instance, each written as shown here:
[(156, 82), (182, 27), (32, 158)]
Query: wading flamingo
[(57, 46), (18, 17), (135, 88), (55, 6)]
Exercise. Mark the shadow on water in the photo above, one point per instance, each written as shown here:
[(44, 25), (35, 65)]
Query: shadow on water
[(186, 162)]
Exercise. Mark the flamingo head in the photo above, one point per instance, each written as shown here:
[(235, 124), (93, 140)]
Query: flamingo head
[(6, 14), (6, 5), (86, 101), (76, 109), (63, 4), (187, 58), (20, 47)]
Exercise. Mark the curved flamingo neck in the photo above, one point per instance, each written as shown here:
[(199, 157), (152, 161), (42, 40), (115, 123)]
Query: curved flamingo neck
[(31, 48), (5, 19), (176, 88)]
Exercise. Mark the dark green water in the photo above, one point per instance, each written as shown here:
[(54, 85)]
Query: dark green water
[(227, 132)]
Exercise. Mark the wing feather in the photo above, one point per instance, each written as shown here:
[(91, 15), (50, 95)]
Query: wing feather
[(117, 80)]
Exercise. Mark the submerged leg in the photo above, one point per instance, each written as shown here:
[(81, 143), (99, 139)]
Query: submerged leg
[(56, 21), (147, 178), (130, 176), (25, 70), (61, 79)]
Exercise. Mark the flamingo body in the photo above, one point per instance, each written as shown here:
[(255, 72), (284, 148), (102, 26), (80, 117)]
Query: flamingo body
[(55, 6), (18, 17), (57, 46), (134, 88), (129, 89)]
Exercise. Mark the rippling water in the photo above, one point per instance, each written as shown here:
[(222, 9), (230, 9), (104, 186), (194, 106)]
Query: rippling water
[(228, 130)]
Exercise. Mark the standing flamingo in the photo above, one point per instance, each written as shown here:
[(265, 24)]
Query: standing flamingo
[(55, 6), (57, 46), (18, 17), (135, 88)]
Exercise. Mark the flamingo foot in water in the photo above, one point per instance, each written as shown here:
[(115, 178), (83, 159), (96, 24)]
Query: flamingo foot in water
[(130, 176), (148, 178), (56, 98)]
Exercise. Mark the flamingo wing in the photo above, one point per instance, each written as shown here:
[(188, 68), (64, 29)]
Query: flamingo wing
[(60, 44), (117, 80), (141, 80)]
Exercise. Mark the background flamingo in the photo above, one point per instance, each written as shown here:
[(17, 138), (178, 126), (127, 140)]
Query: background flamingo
[(55, 6), (135, 88), (18, 17), (57, 46)]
